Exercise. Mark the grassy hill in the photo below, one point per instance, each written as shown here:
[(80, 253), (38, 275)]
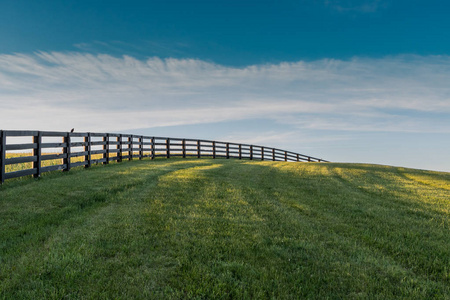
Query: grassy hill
[(226, 229)]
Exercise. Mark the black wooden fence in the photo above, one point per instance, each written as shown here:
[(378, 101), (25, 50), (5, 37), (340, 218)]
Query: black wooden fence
[(84, 149)]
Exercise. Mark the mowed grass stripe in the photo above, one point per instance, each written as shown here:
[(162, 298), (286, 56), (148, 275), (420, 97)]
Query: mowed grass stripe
[(226, 229), (54, 209)]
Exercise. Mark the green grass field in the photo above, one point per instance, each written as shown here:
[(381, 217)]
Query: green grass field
[(222, 229)]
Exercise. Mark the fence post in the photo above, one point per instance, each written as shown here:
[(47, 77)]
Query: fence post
[(183, 146), (119, 147), (130, 147), (168, 148), (298, 157), (309, 159), (285, 155), (228, 150), (198, 149), (153, 147), (273, 154), (214, 149), (37, 152), (240, 151), (251, 152), (141, 147), (107, 148), (2, 155), (66, 151), (104, 147), (262, 153), (87, 147)]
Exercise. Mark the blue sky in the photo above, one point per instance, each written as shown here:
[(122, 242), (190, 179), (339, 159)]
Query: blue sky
[(351, 81), (229, 32)]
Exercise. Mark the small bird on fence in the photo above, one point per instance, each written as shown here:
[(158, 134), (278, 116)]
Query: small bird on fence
[(72, 130)]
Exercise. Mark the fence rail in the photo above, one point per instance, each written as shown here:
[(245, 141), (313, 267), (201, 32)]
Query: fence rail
[(84, 149)]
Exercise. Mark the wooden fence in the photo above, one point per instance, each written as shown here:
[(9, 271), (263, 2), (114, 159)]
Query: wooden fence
[(84, 149)]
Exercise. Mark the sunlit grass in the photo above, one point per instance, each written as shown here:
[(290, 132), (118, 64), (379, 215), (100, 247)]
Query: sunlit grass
[(206, 229), (44, 163), (54, 162)]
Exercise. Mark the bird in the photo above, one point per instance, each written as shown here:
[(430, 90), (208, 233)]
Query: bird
[(72, 130)]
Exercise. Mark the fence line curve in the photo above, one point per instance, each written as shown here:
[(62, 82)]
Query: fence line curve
[(76, 149)]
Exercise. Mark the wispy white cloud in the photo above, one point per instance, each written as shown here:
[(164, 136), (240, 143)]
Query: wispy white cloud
[(362, 6), (156, 48), (101, 92)]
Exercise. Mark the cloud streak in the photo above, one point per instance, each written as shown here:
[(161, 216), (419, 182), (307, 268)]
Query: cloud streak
[(365, 6), (101, 92)]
